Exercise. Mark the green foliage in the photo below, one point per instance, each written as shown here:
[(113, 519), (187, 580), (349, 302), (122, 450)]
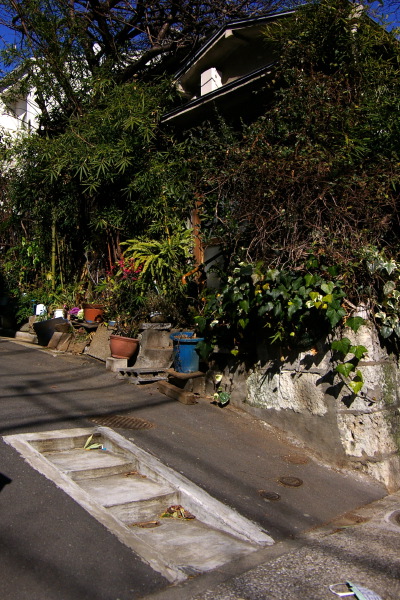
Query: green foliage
[(386, 299), (318, 171), (106, 177), (346, 369), (27, 297), (162, 262), (281, 306), (77, 47)]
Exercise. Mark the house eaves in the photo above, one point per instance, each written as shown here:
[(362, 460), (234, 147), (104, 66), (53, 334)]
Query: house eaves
[(225, 72), (225, 97), (233, 27)]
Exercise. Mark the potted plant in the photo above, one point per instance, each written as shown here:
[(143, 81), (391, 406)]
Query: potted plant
[(156, 308), (124, 342), (93, 313)]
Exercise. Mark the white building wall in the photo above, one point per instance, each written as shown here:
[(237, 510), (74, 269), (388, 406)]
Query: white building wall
[(22, 114)]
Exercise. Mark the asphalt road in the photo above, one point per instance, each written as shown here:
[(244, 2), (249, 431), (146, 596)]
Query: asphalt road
[(51, 548)]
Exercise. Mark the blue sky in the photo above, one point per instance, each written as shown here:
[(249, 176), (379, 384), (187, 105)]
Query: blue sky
[(390, 9)]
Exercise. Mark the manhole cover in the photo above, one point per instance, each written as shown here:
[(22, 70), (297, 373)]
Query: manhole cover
[(291, 481), (395, 517), (296, 459), (269, 495), (122, 422)]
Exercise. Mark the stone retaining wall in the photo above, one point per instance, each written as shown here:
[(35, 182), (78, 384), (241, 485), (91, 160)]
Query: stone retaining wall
[(302, 396)]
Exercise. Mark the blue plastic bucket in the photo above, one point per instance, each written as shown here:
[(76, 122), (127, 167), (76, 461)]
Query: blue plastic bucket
[(186, 358)]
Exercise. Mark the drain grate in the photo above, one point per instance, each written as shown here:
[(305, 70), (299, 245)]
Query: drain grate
[(122, 422)]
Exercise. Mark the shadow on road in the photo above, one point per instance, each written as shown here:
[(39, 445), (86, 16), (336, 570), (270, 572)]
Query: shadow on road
[(4, 480)]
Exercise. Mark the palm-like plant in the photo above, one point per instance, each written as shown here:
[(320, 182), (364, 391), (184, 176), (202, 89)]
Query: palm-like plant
[(162, 262)]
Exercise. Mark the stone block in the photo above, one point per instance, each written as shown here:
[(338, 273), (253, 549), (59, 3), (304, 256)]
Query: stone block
[(64, 342), (154, 357), (176, 394), (100, 345), (77, 346), (23, 336), (156, 338), (55, 339), (115, 364)]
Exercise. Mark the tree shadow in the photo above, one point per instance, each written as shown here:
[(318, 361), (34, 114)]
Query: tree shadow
[(4, 480)]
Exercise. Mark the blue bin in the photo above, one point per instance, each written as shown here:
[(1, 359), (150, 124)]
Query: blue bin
[(186, 358)]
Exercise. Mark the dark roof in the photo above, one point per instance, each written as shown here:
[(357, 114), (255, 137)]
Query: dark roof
[(239, 24)]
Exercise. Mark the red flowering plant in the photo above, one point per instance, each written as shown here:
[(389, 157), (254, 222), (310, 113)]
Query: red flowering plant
[(126, 269), (119, 292)]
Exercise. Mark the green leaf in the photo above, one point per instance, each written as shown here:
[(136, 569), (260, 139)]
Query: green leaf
[(294, 306), (314, 295), (357, 383), (309, 279), (87, 444), (358, 351), (244, 305), (355, 323), (343, 345), (328, 298), (201, 322), (265, 308), (386, 331), (328, 287), (389, 287), (345, 368), (335, 316), (356, 386), (223, 398)]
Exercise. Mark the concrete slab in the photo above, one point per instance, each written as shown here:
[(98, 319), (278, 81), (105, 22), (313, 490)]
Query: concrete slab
[(24, 336), (65, 341), (193, 545), (55, 340)]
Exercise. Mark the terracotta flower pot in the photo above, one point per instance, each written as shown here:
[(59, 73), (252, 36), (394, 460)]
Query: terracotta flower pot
[(93, 313), (123, 347)]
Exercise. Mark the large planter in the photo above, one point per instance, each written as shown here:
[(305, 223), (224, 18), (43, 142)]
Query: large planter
[(186, 358), (123, 347), (93, 313), (45, 329)]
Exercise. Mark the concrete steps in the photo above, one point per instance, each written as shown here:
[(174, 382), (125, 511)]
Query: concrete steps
[(171, 523), (80, 464)]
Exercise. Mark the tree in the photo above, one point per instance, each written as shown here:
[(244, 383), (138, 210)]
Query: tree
[(318, 172), (107, 176), (98, 169), (70, 48)]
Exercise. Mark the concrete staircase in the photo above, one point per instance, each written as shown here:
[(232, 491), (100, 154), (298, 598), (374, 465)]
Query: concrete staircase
[(171, 523)]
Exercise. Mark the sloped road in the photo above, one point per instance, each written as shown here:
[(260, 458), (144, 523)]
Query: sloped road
[(50, 547)]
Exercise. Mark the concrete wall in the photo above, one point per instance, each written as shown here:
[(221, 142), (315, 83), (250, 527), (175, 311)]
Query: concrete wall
[(302, 396)]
